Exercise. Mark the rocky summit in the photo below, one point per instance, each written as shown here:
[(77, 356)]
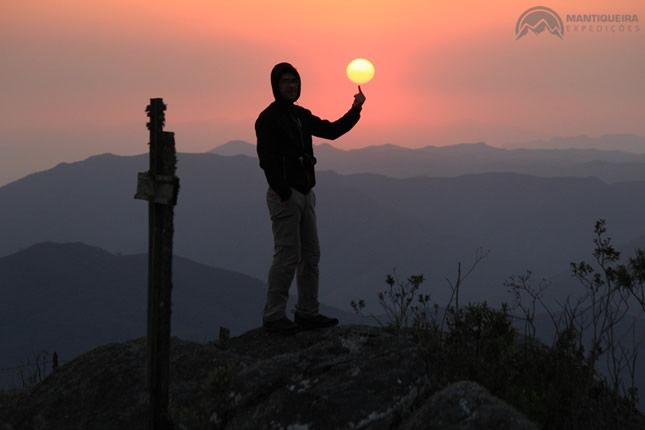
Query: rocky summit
[(347, 377)]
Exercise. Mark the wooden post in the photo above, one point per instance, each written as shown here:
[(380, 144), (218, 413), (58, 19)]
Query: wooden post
[(160, 187)]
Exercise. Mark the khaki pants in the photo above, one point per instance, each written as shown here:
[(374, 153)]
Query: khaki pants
[(296, 252)]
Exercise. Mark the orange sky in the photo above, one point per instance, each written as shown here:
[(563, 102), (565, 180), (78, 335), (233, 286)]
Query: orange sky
[(78, 74)]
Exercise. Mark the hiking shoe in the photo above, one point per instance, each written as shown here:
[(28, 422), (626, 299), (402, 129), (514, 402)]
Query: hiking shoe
[(319, 321), (282, 326)]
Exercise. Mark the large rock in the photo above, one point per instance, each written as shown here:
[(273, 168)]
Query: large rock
[(466, 405), (347, 377)]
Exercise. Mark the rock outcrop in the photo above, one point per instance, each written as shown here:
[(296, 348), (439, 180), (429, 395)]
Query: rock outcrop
[(347, 377), (466, 405)]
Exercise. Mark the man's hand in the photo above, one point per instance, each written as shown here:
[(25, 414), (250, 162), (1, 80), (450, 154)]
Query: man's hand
[(359, 98)]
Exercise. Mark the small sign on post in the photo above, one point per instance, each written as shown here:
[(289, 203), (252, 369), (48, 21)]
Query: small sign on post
[(160, 187)]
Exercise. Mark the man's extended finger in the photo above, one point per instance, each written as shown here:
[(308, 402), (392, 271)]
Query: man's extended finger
[(359, 90)]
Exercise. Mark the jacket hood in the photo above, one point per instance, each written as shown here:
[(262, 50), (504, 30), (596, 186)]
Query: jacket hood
[(277, 72)]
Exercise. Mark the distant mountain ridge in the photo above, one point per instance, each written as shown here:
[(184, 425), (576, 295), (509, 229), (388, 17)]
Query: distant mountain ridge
[(235, 147), (369, 224), (608, 142), (609, 164)]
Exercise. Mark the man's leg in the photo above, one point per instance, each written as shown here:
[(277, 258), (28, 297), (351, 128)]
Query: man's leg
[(308, 273), (285, 222)]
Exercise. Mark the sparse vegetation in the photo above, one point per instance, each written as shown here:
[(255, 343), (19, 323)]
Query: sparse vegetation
[(585, 379), (31, 373), (402, 304)]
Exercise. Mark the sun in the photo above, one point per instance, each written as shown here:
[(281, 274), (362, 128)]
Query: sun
[(360, 71)]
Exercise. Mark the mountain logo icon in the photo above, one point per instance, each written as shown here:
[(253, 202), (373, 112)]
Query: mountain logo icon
[(537, 19)]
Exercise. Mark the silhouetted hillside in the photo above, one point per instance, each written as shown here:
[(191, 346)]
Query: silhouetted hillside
[(71, 297)]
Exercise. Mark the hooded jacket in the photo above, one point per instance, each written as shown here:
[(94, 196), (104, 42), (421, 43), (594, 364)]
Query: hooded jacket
[(284, 138)]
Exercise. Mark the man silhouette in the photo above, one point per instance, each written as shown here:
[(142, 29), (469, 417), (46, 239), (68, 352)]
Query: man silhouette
[(284, 133)]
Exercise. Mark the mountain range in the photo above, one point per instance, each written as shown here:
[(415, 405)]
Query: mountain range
[(565, 157), (74, 239), (369, 224)]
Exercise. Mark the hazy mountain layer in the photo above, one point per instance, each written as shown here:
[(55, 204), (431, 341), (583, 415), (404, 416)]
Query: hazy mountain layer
[(565, 157), (368, 223)]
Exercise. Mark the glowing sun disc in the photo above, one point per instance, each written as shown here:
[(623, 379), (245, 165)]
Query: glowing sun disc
[(360, 71)]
